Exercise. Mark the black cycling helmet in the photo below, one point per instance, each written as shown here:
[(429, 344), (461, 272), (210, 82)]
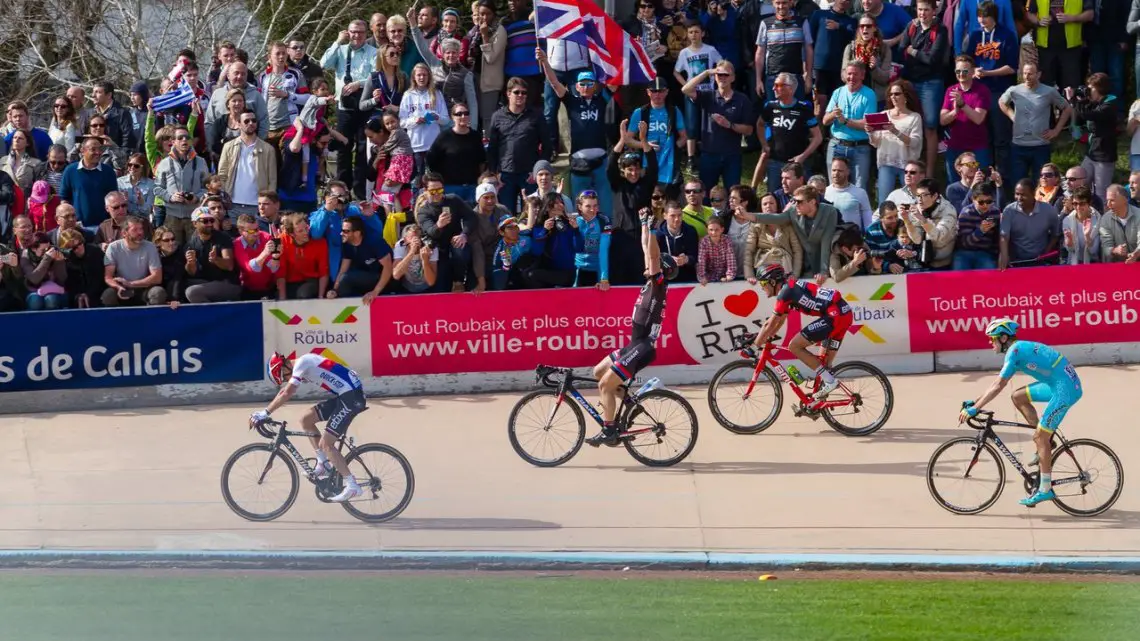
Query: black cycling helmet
[(629, 158), (669, 267), (774, 273)]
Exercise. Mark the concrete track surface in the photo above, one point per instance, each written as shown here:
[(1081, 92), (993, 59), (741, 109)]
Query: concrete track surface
[(148, 480)]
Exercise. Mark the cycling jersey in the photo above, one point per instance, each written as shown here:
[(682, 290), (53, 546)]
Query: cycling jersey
[(649, 310), (811, 299), (330, 375), (1041, 362), (1057, 381)]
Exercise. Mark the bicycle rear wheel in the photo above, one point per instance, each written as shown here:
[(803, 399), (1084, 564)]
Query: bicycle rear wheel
[(960, 468), (1079, 469), (544, 430), (872, 397), (386, 477), (253, 467), (671, 429), (740, 411)]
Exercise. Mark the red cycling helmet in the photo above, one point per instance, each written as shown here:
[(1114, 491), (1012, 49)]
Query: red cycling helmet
[(276, 367)]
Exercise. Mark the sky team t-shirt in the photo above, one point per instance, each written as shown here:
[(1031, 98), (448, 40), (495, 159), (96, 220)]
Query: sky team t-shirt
[(660, 134)]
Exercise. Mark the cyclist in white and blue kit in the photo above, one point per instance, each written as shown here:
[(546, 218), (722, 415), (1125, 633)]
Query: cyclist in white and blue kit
[(347, 402), (1057, 384)]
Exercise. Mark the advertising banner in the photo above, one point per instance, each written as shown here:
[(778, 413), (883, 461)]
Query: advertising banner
[(1057, 305), (336, 329), (515, 331), (69, 349)]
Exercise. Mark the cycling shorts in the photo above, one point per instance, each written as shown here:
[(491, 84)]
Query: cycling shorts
[(828, 328), (1059, 400), (633, 358), (340, 410)]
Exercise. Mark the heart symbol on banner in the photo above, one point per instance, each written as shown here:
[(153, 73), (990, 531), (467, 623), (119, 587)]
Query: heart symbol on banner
[(742, 304)]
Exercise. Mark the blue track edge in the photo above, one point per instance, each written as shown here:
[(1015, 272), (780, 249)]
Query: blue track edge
[(491, 560)]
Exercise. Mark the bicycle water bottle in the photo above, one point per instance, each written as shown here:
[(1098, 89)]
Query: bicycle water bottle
[(649, 386), (795, 375)]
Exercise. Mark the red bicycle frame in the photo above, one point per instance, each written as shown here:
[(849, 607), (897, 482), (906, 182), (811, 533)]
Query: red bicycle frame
[(767, 357)]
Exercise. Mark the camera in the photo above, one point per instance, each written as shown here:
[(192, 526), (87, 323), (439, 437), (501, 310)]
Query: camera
[(429, 243), (1082, 93)]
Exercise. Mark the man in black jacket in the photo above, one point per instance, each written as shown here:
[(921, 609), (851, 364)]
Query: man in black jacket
[(633, 191), (516, 140), (458, 155), (446, 222)]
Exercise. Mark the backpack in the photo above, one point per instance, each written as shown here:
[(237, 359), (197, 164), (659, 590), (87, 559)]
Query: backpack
[(912, 32), (670, 119)]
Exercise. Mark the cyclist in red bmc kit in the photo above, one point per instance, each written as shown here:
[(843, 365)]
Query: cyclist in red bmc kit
[(833, 318)]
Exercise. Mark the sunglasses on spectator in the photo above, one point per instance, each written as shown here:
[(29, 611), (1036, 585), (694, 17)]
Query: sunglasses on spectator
[(866, 26), (248, 121), (896, 93), (60, 105), (57, 163), (119, 206), (518, 92), (656, 91), (134, 165), (434, 192), (645, 6), (208, 221), (169, 239), (346, 230), (693, 191), (910, 172), (98, 125), (462, 113), (657, 196), (985, 201), (1048, 174), (182, 137), (393, 54), (961, 72), (799, 201)]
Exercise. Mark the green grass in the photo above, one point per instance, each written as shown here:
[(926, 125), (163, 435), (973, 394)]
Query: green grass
[(471, 608)]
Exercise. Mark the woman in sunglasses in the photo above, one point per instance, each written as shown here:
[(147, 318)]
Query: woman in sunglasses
[(63, 129), (138, 186)]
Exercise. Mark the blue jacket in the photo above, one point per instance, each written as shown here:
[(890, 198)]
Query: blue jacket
[(326, 224), (558, 247), (966, 21), (503, 252), (593, 247)]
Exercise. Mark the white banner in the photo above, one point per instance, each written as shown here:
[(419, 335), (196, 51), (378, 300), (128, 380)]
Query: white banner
[(336, 329)]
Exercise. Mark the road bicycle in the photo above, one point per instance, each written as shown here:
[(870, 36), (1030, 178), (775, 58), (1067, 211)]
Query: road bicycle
[(971, 463), (751, 386), (660, 426), (381, 470)]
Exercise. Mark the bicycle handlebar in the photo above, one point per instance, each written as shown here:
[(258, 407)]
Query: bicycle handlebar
[(980, 421), (745, 341)]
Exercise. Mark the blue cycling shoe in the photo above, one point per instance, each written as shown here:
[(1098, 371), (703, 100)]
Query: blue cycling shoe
[(1038, 496)]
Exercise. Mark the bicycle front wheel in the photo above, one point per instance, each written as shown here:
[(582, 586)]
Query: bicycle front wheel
[(386, 477), (670, 429), (259, 483), (1087, 477), (738, 410), (545, 430), (965, 478), (871, 396)]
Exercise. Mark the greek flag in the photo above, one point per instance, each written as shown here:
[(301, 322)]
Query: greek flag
[(183, 94)]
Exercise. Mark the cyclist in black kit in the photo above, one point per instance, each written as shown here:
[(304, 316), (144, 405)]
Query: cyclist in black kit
[(648, 314)]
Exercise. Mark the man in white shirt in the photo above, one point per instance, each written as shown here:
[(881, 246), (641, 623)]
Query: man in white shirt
[(247, 167)]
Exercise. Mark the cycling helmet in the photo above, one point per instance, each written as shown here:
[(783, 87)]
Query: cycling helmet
[(276, 368), (669, 267), (774, 273), (1002, 326)]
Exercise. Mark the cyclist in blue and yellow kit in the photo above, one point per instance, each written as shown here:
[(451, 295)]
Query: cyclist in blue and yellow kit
[(1057, 384)]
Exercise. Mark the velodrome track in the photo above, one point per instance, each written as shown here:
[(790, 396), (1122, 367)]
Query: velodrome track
[(147, 481)]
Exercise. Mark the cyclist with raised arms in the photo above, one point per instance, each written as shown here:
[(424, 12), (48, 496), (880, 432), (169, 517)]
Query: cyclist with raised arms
[(347, 402), (833, 318), (1057, 384), (648, 315)]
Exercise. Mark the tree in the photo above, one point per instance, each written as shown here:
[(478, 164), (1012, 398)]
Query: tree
[(46, 45)]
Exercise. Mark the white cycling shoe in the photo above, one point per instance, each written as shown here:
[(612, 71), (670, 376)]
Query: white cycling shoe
[(826, 388), (348, 493)]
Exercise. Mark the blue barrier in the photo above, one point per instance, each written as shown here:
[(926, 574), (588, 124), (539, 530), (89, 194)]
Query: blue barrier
[(70, 349)]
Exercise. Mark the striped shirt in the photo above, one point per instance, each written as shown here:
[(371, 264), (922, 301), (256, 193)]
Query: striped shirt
[(521, 43), (785, 44)]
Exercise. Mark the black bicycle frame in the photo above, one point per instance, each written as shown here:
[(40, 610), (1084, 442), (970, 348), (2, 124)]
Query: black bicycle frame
[(988, 434), (282, 439)]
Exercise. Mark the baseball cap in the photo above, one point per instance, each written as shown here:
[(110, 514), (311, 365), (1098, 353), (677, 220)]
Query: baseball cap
[(507, 222), (199, 214), (587, 75), (658, 84), (483, 190)]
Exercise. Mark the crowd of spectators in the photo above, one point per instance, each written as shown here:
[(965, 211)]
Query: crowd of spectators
[(213, 183)]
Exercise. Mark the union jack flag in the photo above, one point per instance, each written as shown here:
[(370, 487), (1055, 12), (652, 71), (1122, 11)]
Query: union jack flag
[(617, 56)]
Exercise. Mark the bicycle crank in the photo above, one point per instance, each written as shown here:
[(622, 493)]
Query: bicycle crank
[(799, 409)]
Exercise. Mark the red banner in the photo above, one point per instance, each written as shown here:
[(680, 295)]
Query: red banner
[(512, 331), (1056, 305)]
